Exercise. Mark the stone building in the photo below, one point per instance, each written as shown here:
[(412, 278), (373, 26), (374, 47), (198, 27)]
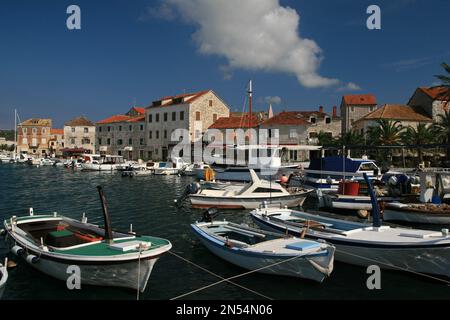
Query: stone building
[(354, 107), (431, 101), (34, 136), (123, 135), (56, 142), (405, 115), (228, 127), (79, 134), (193, 112)]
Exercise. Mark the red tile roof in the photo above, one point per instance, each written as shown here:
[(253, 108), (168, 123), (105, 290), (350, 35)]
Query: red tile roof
[(360, 99), (79, 121), (137, 119), (288, 118), (57, 131), (396, 112), (139, 110), (437, 93), (234, 122), (191, 97)]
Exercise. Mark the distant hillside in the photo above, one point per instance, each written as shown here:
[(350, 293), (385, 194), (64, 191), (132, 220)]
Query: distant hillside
[(8, 134)]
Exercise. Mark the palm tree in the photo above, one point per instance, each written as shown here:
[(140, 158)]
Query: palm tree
[(385, 133), (441, 130), (445, 78), (350, 138), (325, 139), (420, 135)]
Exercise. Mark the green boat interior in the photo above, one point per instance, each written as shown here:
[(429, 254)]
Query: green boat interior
[(61, 234)]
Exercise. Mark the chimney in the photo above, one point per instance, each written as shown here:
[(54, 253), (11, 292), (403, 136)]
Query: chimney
[(334, 111), (321, 109)]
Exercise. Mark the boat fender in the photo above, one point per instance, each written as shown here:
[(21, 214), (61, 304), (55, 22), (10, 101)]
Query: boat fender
[(2, 232), (17, 250), (193, 188), (32, 259)]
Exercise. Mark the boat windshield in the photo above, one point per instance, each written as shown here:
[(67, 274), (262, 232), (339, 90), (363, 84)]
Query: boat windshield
[(367, 166)]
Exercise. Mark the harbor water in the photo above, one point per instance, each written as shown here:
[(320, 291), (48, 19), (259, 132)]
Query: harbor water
[(148, 203)]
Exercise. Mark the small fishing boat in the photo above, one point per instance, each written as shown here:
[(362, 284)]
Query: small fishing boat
[(170, 168), (106, 163), (426, 213), (46, 162), (52, 243), (137, 172), (413, 250), (247, 196), (267, 252), (3, 277)]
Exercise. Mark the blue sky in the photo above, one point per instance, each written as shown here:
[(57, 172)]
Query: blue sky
[(141, 50)]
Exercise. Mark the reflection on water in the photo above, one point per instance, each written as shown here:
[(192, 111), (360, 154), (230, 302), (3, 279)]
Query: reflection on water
[(147, 203)]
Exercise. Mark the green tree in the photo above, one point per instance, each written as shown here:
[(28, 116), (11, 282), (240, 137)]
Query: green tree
[(325, 139), (441, 130), (384, 133), (421, 135)]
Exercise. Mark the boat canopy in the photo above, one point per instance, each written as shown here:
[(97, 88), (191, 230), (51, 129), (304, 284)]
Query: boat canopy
[(336, 163)]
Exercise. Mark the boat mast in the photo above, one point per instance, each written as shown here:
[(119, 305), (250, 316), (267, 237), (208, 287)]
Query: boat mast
[(108, 231), (250, 98), (15, 133)]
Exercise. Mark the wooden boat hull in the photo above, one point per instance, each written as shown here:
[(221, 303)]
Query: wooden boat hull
[(302, 267), (97, 167), (201, 201), (428, 258)]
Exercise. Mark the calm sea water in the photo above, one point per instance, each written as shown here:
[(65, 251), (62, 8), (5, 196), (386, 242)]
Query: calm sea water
[(147, 202)]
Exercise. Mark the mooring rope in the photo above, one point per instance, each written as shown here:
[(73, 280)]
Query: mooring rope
[(218, 276), (234, 277)]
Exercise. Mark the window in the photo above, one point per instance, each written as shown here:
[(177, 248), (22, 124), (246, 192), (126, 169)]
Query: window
[(214, 117), (181, 115), (34, 130), (174, 116), (24, 130), (119, 142), (108, 141), (73, 129), (44, 141), (100, 129), (197, 134), (130, 142), (99, 141), (327, 120), (120, 128), (313, 134), (130, 127), (141, 127), (150, 118), (165, 116), (150, 134), (210, 103), (370, 108), (312, 120), (352, 108), (24, 141), (197, 115), (157, 134), (157, 117), (156, 151), (86, 141), (86, 130), (352, 121), (34, 142), (109, 128), (72, 141), (43, 130), (119, 153), (141, 141), (165, 134), (292, 133)]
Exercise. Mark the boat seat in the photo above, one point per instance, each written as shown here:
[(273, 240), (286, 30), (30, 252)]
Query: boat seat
[(303, 245)]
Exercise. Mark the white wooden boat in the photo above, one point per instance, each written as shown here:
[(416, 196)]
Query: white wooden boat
[(137, 172), (52, 243), (172, 167), (248, 196), (3, 277), (426, 213), (107, 163), (361, 244), (46, 162), (254, 249)]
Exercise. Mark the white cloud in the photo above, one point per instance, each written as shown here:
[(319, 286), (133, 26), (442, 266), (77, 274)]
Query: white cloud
[(254, 35), (349, 87), (272, 100)]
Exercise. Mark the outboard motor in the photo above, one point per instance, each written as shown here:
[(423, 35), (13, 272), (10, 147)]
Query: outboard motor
[(191, 188), (208, 215)]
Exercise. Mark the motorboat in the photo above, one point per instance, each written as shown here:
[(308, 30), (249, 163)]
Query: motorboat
[(52, 243), (137, 172), (412, 250), (247, 196), (46, 162), (103, 163), (325, 173), (172, 167), (266, 252), (3, 277)]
